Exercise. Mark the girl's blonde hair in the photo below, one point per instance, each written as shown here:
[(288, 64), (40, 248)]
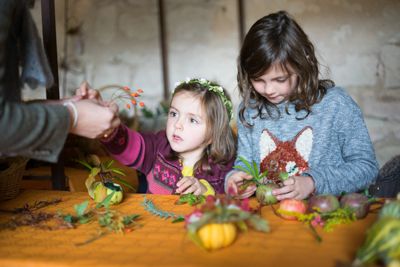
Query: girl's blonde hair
[(222, 149)]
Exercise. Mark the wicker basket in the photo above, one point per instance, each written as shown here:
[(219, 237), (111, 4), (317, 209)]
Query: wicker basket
[(11, 172)]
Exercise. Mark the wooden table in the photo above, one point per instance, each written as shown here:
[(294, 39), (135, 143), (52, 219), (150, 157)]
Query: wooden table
[(162, 243)]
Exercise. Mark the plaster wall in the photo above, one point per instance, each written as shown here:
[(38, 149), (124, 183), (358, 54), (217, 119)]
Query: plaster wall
[(117, 42)]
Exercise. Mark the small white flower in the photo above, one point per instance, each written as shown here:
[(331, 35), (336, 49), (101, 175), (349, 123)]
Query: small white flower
[(187, 79), (291, 168), (202, 80), (233, 207)]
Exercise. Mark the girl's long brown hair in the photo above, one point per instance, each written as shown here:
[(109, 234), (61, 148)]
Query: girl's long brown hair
[(222, 149), (278, 39)]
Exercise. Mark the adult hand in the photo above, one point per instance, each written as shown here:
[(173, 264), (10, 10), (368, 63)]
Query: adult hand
[(190, 184), (95, 120), (296, 187), (238, 180)]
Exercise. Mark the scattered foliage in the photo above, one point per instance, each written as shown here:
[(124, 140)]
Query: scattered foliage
[(150, 207), (108, 219), (190, 199)]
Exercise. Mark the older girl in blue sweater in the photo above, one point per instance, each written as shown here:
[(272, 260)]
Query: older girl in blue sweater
[(291, 121)]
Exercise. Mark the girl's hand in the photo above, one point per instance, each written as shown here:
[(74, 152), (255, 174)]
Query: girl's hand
[(237, 180), (190, 184), (296, 187), (85, 91)]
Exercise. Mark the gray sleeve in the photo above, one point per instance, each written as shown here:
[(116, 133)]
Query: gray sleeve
[(35, 131), (245, 149), (360, 167), (32, 130)]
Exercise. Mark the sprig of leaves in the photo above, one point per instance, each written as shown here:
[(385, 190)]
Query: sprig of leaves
[(190, 199), (150, 207), (328, 220), (252, 169)]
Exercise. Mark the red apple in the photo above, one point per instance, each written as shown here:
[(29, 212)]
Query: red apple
[(292, 205)]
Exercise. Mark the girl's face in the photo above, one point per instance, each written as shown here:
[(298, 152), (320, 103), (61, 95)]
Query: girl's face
[(186, 127), (276, 84)]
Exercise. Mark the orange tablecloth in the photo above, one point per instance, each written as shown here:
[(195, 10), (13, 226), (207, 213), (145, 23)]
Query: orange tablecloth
[(162, 243)]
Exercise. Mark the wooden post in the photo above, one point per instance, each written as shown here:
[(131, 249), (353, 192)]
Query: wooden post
[(164, 48), (241, 19), (50, 47)]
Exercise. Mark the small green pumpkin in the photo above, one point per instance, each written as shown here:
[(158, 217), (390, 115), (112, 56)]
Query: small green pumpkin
[(391, 209)]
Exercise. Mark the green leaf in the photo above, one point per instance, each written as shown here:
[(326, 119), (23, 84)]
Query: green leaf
[(109, 163), (264, 174), (118, 171), (179, 219), (195, 238), (84, 219), (129, 219), (248, 165), (122, 181), (68, 218), (241, 168), (81, 208), (256, 171), (191, 199), (106, 202), (84, 164), (258, 223), (283, 176), (242, 226), (94, 171)]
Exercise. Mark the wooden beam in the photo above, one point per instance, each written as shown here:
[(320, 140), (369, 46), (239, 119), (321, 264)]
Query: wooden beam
[(241, 19), (164, 48), (53, 92)]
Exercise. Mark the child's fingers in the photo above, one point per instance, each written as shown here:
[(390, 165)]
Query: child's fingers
[(290, 181), (248, 192), (191, 189), (232, 187), (83, 89), (183, 184), (247, 176), (197, 192), (182, 181), (285, 192)]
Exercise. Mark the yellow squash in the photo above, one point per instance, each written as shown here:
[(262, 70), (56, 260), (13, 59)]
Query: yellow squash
[(217, 235)]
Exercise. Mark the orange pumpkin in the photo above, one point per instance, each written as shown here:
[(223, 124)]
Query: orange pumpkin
[(217, 235)]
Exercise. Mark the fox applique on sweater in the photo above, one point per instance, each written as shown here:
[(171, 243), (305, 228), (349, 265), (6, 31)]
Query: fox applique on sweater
[(289, 157)]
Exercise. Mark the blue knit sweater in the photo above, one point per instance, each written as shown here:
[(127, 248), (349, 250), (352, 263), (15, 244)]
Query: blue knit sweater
[(332, 144)]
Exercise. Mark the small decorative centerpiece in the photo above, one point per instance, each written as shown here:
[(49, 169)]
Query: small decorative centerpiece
[(264, 186), (101, 182), (214, 224)]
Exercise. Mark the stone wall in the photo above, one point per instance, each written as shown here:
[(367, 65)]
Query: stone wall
[(117, 42)]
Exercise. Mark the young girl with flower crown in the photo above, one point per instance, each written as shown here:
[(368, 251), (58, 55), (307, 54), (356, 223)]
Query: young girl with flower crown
[(195, 151), (291, 122)]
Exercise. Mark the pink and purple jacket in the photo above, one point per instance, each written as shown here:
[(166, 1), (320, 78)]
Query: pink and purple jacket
[(148, 153)]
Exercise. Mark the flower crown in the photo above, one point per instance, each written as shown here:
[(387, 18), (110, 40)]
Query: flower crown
[(213, 88)]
